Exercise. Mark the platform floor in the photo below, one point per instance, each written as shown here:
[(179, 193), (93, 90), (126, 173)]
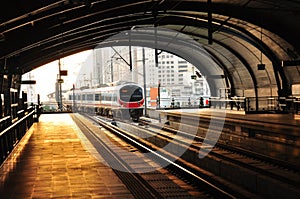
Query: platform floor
[(52, 162), (285, 119)]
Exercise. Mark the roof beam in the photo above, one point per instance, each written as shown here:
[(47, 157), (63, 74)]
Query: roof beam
[(210, 26)]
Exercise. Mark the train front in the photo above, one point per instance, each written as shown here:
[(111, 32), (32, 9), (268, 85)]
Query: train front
[(131, 101)]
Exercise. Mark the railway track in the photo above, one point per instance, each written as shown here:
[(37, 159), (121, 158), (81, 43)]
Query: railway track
[(159, 185), (253, 165), (228, 148)]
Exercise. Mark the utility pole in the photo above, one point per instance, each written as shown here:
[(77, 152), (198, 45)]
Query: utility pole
[(59, 87), (74, 101), (111, 69), (144, 74), (158, 95)]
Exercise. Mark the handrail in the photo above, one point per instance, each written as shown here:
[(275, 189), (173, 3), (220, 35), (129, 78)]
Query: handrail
[(16, 123), (4, 119), (21, 111)]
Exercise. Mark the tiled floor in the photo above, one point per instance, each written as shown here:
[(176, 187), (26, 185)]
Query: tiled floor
[(51, 162)]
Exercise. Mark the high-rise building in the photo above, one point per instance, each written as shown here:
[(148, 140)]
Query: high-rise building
[(173, 73)]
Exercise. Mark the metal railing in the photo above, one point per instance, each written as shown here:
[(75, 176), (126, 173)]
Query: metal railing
[(234, 103), (260, 104), (13, 131)]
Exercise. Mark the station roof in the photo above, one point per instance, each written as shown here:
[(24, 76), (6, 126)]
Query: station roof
[(237, 34)]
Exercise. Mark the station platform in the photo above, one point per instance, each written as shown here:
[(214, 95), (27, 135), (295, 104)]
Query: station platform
[(284, 119), (51, 162)]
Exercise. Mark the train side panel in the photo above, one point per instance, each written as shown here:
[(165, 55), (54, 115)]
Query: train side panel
[(122, 101)]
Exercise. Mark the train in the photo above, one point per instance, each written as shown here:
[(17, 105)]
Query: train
[(120, 99)]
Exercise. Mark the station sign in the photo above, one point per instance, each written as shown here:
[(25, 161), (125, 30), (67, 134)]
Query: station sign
[(28, 82), (63, 73)]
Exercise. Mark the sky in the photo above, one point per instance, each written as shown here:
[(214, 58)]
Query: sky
[(46, 75)]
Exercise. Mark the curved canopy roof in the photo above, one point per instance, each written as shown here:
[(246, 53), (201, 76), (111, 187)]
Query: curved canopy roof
[(238, 35)]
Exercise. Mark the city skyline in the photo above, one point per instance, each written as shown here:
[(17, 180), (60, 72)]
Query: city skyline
[(173, 73), (93, 68)]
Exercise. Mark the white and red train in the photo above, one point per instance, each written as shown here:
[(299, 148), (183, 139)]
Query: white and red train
[(121, 99)]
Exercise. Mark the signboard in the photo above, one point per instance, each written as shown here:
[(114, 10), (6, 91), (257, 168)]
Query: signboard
[(28, 82), (63, 73)]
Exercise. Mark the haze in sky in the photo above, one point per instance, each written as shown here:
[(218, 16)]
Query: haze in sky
[(46, 75)]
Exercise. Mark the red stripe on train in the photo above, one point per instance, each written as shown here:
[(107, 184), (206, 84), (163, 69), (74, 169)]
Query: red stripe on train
[(131, 104)]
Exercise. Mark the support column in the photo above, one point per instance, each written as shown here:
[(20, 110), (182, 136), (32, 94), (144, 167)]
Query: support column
[(9, 94), (210, 26), (1, 97), (6, 91)]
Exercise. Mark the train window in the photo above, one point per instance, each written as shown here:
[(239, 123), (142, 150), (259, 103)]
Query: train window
[(70, 97), (90, 97), (83, 97), (114, 97), (133, 93), (97, 97), (103, 96)]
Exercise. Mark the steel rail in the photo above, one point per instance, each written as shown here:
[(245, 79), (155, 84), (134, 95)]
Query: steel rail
[(140, 188), (238, 150), (248, 154), (124, 135)]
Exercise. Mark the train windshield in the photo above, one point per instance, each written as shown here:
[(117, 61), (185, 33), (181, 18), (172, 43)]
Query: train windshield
[(131, 93)]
